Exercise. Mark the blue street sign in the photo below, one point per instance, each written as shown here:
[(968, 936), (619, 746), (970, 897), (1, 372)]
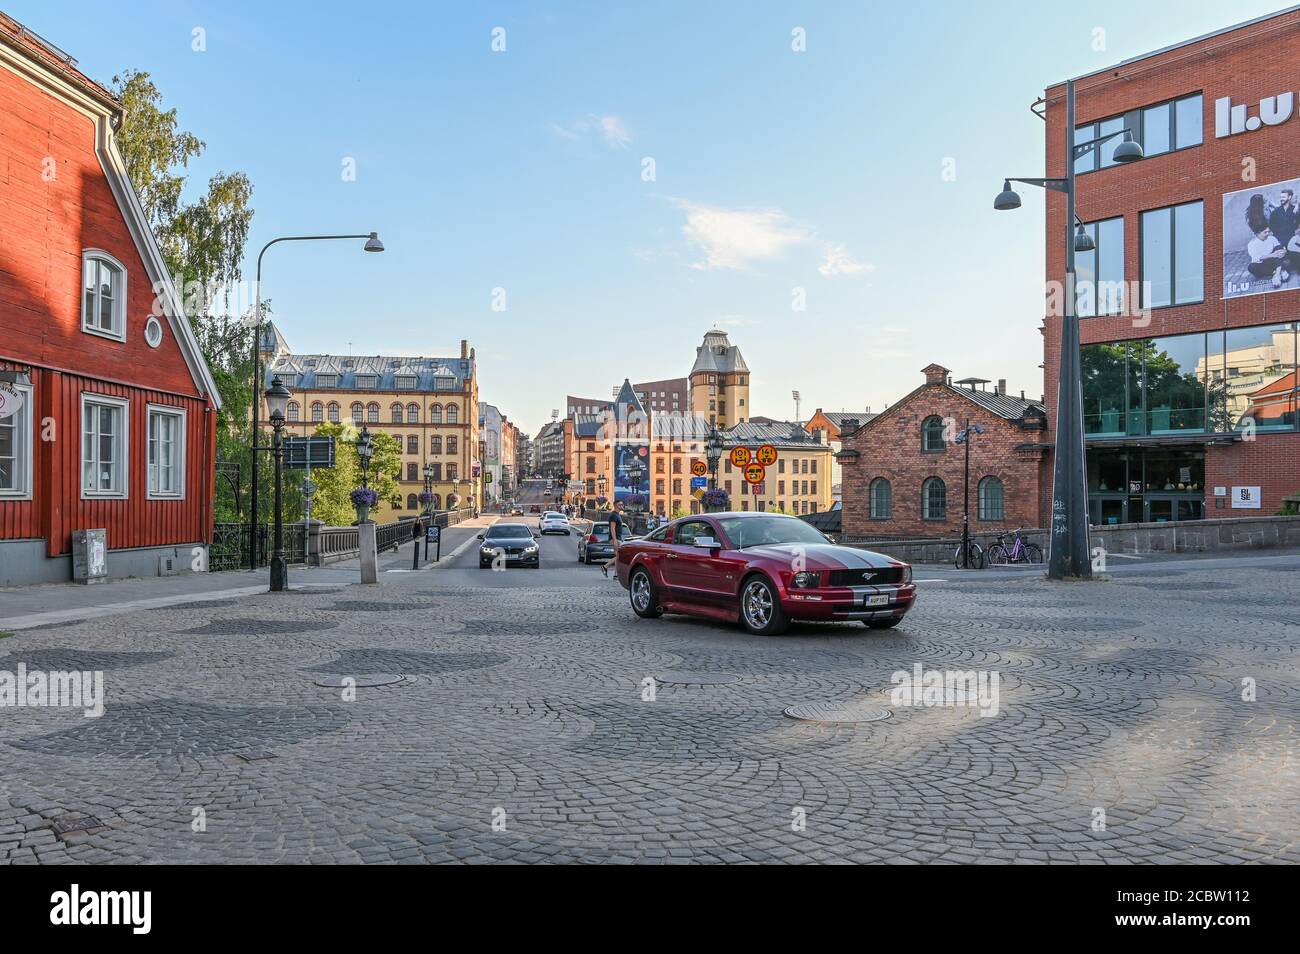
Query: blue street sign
[(699, 483), (432, 534)]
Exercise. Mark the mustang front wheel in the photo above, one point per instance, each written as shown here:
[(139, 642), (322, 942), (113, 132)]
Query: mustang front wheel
[(641, 590), (760, 610)]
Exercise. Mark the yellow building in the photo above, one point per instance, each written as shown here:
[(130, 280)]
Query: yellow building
[(429, 404), (719, 382)]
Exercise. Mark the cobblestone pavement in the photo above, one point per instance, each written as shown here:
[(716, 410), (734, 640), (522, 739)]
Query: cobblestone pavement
[(522, 704)]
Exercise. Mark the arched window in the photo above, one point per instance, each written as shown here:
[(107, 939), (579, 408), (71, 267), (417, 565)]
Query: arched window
[(412, 413), (358, 412), (412, 470), (991, 499), (293, 411), (372, 413), (317, 411), (453, 414), (412, 502), (435, 413), (934, 499), (882, 499), (932, 434), (103, 294), (334, 412), (397, 413)]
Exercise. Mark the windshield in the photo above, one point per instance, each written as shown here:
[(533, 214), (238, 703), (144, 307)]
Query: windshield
[(759, 531), (509, 530), (600, 531)]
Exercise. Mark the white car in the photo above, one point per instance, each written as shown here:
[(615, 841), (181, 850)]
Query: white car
[(555, 523), (541, 519)]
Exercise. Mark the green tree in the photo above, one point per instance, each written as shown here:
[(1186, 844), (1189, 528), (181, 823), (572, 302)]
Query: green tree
[(332, 502)]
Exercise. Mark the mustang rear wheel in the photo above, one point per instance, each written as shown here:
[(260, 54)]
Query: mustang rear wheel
[(641, 591), (760, 610)]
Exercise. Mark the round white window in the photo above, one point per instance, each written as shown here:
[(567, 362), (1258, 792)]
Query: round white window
[(153, 333)]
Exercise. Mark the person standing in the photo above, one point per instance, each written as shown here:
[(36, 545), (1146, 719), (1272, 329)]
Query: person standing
[(1267, 258), (1283, 222), (615, 535)]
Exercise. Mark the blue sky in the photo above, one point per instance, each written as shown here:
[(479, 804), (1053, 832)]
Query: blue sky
[(523, 170)]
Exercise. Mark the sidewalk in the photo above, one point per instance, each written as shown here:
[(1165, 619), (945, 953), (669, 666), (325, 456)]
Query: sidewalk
[(23, 607)]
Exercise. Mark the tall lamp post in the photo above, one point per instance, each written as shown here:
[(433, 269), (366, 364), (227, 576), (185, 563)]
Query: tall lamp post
[(372, 245), (600, 485), (713, 451), (1068, 554), (964, 437), (277, 400), (365, 451)]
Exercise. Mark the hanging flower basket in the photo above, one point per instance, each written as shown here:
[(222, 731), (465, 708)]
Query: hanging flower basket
[(634, 500), (452, 501), (363, 498), (715, 501), (426, 497), (602, 500)]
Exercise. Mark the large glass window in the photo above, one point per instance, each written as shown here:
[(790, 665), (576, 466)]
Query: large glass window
[(1256, 384), (16, 448), (103, 446), (1099, 274), (990, 499), (1175, 388), (932, 434), (1160, 127), (934, 499), (166, 452), (1173, 255)]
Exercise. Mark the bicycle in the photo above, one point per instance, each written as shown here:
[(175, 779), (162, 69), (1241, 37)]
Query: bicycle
[(976, 556), (1017, 550)]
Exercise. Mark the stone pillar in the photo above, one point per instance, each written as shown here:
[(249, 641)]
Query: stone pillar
[(369, 552)]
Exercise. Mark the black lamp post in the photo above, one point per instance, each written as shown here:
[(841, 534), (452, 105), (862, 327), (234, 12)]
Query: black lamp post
[(277, 400), (964, 437), (372, 245), (428, 480), (713, 451), (600, 484), (1068, 554)]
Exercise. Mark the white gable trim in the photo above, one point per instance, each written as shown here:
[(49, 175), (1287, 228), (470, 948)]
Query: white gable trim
[(110, 160)]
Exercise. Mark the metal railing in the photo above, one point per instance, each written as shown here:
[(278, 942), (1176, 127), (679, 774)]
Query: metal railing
[(230, 543)]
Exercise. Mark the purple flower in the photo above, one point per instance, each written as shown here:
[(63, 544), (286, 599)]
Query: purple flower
[(364, 497), (716, 498)]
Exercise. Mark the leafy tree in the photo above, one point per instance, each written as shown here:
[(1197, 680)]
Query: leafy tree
[(332, 503)]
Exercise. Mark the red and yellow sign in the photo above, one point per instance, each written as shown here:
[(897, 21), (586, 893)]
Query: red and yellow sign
[(754, 473), (699, 468), (739, 456), (766, 455)]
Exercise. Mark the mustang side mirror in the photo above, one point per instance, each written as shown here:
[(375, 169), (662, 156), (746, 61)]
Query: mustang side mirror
[(707, 543)]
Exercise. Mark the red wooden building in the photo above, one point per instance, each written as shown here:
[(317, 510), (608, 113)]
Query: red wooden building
[(107, 409)]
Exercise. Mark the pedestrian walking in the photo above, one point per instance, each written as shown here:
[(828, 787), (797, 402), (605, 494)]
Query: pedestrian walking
[(615, 535)]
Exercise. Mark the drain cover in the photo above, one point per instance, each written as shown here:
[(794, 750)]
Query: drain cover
[(686, 677), (360, 682), (913, 695), (67, 825), (837, 712)]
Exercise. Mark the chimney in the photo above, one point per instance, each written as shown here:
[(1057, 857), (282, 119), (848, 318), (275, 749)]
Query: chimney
[(1022, 394), (464, 348), (935, 374), (847, 427), (1002, 386)]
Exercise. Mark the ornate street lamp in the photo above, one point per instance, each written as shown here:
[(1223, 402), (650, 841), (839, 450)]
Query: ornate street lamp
[(713, 451), (277, 400), (1068, 552), (365, 451)]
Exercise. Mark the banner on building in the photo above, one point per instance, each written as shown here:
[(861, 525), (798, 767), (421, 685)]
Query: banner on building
[(1261, 239)]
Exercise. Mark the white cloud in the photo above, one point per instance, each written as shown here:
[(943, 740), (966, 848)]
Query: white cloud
[(614, 131), (611, 128), (733, 238), (839, 262)]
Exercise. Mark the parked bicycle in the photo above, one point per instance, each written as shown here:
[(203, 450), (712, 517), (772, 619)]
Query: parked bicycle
[(1013, 548), (976, 556)]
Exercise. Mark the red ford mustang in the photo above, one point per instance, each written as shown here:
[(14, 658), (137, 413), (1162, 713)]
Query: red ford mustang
[(763, 569)]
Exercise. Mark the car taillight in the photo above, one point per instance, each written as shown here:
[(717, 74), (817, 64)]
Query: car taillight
[(591, 538)]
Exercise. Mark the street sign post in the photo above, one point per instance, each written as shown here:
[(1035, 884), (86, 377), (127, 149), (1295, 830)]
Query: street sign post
[(699, 483), (699, 468), (754, 473), (309, 452)]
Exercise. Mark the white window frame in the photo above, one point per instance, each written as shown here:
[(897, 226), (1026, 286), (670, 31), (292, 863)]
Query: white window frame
[(161, 410), (118, 331), (123, 470), (25, 448)]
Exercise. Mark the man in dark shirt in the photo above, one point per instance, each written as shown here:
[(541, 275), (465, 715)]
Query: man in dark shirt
[(615, 534), (1283, 223)]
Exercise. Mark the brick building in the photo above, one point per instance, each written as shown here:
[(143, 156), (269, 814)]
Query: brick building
[(1188, 328), (903, 475)]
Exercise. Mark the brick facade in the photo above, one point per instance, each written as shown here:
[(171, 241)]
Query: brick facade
[(890, 446), (1228, 64)]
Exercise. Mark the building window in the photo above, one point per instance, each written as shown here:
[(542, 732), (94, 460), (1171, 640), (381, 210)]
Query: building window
[(451, 445), (435, 472), (932, 435), (396, 411), (166, 452), (412, 502), (16, 449), (435, 414), (677, 485), (404, 382), (934, 499), (413, 443), (412, 470), (293, 412), (1099, 275), (103, 446), (372, 413), (334, 412), (365, 381), (358, 412), (990, 494), (412, 414), (326, 380), (317, 411), (1160, 128), (453, 414), (1173, 255), (435, 444), (451, 471), (103, 296)]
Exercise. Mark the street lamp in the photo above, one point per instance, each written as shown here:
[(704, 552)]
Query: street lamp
[(365, 451), (372, 245), (964, 437), (713, 451), (1068, 554), (277, 400)]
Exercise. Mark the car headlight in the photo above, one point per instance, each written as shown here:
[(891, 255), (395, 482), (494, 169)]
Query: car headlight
[(907, 575), (531, 549), (806, 579)]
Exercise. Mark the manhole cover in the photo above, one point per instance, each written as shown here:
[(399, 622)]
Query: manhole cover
[(837, 712), (360, 682), (910, 695), (686, 677), (67, 825)]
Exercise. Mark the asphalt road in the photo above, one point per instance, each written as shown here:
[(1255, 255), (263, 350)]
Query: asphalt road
[(560, 566)]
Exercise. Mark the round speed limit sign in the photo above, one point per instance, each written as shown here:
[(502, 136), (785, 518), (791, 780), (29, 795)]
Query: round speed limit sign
[(754, 473)]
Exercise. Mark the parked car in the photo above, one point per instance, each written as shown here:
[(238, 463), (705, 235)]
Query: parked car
[(514, 540), (762, 569), (535, 508), (595, 544), (553, 522)]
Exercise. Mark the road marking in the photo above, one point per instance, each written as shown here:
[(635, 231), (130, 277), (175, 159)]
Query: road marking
[(1123, 556), (929, 581)]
